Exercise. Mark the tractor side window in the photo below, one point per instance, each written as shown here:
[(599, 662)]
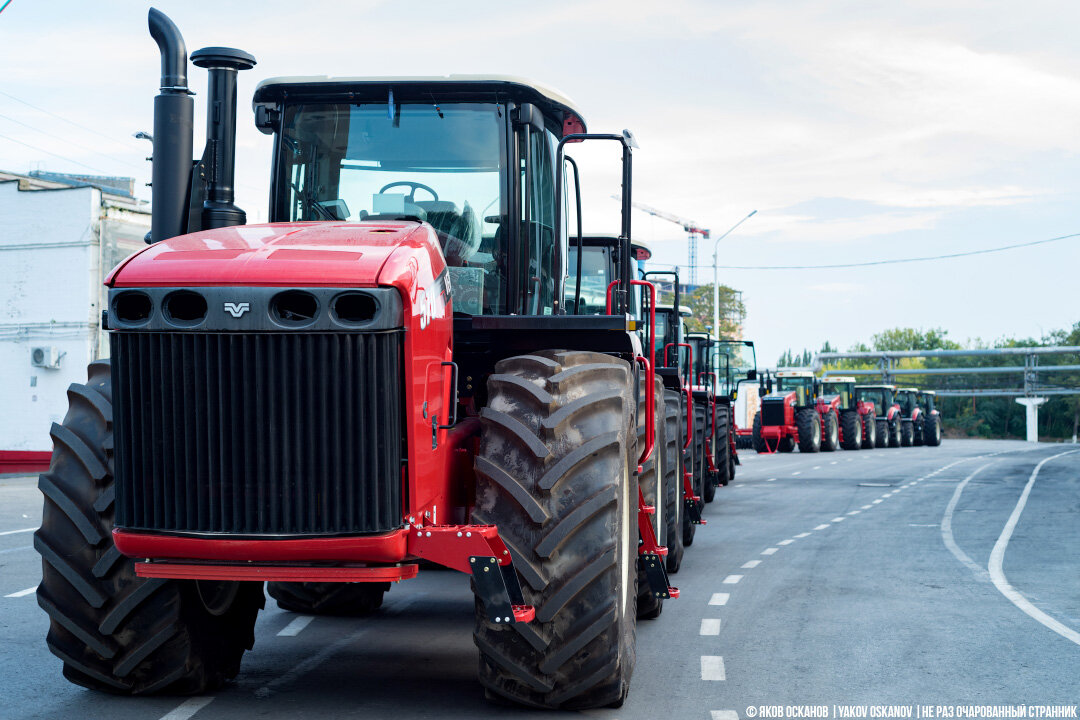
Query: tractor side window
[(540, 233), (596, 267)]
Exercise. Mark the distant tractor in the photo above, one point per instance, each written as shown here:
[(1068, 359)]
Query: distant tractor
[(736, 364), (912, 418), (887, 411), (931, 434), (384, 374), (858, 428), (789, 415)]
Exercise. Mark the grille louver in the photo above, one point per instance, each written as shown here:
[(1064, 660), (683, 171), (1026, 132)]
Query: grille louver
[(258, 434)]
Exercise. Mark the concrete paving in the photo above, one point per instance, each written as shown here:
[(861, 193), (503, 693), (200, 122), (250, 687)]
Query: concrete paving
[(840, 578)]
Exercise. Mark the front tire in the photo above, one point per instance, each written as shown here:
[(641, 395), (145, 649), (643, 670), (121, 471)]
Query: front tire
[(932, 430), (756, 440), (673, 485), (115, 631), (554, 474), (881, 429), (894, 433), (725, 461), (708, 477), (907, 433), (808, 423), (831, 440), (851, 424)]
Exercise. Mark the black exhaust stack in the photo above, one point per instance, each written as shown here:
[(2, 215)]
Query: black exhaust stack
[(218, 165), (173, 117)]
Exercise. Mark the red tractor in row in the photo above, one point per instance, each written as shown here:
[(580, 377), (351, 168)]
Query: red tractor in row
[(920, 421), (854, 418), (395, 369), (789, 414), (888, 416)]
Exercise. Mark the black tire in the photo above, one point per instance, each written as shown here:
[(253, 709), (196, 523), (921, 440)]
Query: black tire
[(708, 477), (830, 439), (919, 431), (851, 425), (881, 428), (869, 439), (757, 441), (689, 464), (649, 606), (894, 432), (932, 430), (907, 433), (725, 461), (328, 598), (115, 631), (673, 487), (554, 474), (808, 423), (786, 444)]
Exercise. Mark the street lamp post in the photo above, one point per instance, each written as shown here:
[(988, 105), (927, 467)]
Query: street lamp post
[(715, 278)]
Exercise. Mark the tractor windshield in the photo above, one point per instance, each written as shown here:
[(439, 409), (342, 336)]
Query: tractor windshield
[(737, 360), (906, 401), (440, 164), (873, 395), (787, 384)]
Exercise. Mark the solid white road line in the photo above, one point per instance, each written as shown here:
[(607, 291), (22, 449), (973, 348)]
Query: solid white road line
[(732, 579), (786, 542), (188, 708), (751, 564), (298, 624), (712, 667), (822, 527), (724, 715), (16, 532), (802, 535), (710, 626), (769, 551), (997, 559), (947, 533), (22, 593), (719, 598)]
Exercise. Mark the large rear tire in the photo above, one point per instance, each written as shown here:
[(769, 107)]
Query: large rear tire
[(932, 430), (649, 606), (869, 439), (328, 598), (554, 474), (708, 477), (851, 424), (830, 440), (881, 428), (757, 441), (673, 488), (894, 433), (725, 461), (689, 464), (808, 423), (115, 631), (907, 433), (919, 429)]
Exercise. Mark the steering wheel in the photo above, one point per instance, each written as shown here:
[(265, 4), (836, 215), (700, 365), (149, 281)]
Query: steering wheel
[(411, 197)]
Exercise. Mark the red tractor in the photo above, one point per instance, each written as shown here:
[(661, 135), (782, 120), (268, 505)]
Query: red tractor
[(382, 374), (931, 430), (887, 412), (857, 424), (789, 415)]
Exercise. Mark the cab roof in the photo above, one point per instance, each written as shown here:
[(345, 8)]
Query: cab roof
[(795, 373), (838, 379), (276, 89), (907, 389), (877, 385)]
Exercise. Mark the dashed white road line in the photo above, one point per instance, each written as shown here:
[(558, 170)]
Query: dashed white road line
[(797, 472), (22, 593), (838, 519), (802, 535), (188, 708), (877, 501), (712, 667), (751, 564), (866, 507), (833, 462), (769, 551), (786, 542), (16, 532), (710, 626), (732, 579), (854, 512), (822, 526), (769, 480), (816, 467), (719, 598), (723, 715), (997, 559), (296, 626)]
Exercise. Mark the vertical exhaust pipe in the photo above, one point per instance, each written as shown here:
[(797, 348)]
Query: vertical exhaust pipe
[(173, 117), (219, 158)]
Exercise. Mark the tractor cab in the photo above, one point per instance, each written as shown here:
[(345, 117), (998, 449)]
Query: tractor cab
[(798, 385), (883, 398), (599, 258), (736, 362), (925, 399), (842, 387), (908, 400)]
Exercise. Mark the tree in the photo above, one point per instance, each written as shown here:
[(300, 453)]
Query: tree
[(700, 302)]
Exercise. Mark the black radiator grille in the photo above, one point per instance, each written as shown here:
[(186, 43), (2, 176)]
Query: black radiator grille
[(772, 412), (258, 433)]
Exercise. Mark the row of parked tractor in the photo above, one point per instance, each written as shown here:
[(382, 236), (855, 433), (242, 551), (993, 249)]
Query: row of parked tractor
[(826, 414)]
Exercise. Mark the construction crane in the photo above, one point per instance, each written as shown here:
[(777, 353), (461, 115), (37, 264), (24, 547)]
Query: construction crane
[(692, 229)]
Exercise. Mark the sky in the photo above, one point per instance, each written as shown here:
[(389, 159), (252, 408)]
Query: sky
[(858, 131)]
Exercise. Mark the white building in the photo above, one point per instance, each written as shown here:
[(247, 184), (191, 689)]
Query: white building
[(60, 235)]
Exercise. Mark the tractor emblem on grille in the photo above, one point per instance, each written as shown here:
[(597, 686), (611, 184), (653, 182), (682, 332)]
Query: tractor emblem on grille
[(237, 309)]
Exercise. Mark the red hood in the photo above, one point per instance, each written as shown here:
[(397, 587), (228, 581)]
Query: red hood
[(303, 254)]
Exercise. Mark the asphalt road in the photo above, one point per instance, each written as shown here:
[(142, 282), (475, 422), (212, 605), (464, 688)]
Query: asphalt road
[(885, 577)]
